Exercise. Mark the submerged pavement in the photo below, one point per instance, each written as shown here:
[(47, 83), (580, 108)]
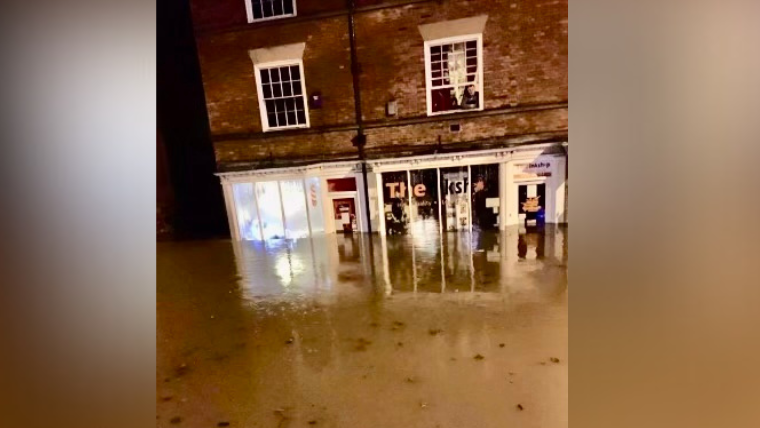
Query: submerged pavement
[(426, 330)]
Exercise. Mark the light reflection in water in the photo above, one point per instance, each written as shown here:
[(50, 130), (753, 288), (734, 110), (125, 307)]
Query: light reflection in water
[(422, 262)]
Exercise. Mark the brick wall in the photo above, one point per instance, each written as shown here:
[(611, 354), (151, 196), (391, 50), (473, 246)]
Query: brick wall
[(524, 53), (525, 64), (230, 85), (220, 14)]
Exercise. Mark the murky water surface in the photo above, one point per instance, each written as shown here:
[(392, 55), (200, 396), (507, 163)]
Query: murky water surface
[(346, 331)]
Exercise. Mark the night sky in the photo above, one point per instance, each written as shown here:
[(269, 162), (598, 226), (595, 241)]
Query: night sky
[(183, 122)]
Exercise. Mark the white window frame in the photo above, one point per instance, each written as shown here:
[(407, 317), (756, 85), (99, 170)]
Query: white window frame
[(251, 19), (262, 104), (429, 76)]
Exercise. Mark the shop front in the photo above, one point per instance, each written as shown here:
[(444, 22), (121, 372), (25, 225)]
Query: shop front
[(292, 203), (471, 192), (425, 195)]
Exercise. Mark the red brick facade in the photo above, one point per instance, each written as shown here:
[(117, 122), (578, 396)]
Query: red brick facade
[(525, 78)]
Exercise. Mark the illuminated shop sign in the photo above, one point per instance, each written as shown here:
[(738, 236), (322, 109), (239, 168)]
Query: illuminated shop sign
[(533, 170), (398, 190)]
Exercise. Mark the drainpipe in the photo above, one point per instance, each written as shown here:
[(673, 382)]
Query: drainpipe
[(360, 140)]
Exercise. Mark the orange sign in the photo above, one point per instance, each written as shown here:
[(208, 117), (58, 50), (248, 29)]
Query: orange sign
[(531, 205)]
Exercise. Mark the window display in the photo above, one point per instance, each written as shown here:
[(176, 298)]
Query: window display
[(314, 200), (485, 197), (270, 210), (245, 210), (424, 195), (294, 205), (456, 205), (396, 202)]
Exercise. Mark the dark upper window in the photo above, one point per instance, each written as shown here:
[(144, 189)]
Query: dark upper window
[(282, 97), (259, 10)]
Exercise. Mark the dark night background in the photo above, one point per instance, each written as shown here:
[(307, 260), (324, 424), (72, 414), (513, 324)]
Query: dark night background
[(196, 203)]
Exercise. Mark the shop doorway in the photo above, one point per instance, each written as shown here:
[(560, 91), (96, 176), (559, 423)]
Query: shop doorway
[(531, 204), (344, 213)]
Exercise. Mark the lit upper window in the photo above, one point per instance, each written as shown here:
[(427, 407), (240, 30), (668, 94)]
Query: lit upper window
[(260, 10), (454, 74)]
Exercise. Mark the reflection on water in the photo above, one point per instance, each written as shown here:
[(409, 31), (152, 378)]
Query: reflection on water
[(358, 331), (422, 262)]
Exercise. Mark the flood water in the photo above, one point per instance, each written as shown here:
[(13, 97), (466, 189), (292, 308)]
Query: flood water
[(355, 331)]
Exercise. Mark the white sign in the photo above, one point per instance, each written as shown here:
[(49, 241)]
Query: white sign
[(532, 170)]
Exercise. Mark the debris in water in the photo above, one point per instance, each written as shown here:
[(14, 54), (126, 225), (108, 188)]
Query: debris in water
[(478, 357), (361, 344), (212, 317), (397, 325), (520, 407), (453, 359), (168, 398), (543, 363), (435, 331), (555, 360), (289, 341), (501, 345), (411, 379), (423, 404), (223, 424), (312, 422), (400, 343), (181, 370), (175, 420)]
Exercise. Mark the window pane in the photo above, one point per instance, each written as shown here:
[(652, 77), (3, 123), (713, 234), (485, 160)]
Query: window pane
[(290, 104), (291, 117), (296, 88), (286, 89), (299, 103), (281, 119), (264, 76), (288, 6), (301, 115), (272, 120), (270, 107), (435, 50), (277, 90), (435, 57), (285, 73), (268, 10), (315, 205), (472, 44), (267, 91), (472, 61), (280, 105), (257, 10), (295, 74), (275, 73), (294, 204), (277, 7), (437, 82), (245, 207), (270, 210)]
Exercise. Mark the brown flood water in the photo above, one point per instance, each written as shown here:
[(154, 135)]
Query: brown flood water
[(347, 331)]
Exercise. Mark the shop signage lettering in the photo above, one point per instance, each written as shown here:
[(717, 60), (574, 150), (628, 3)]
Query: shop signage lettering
[(457, 187), (392, 188), (533, 170), (419, 190)]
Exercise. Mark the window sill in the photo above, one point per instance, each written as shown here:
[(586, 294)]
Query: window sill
[(457, 111), (286, 128), (271, 18)]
